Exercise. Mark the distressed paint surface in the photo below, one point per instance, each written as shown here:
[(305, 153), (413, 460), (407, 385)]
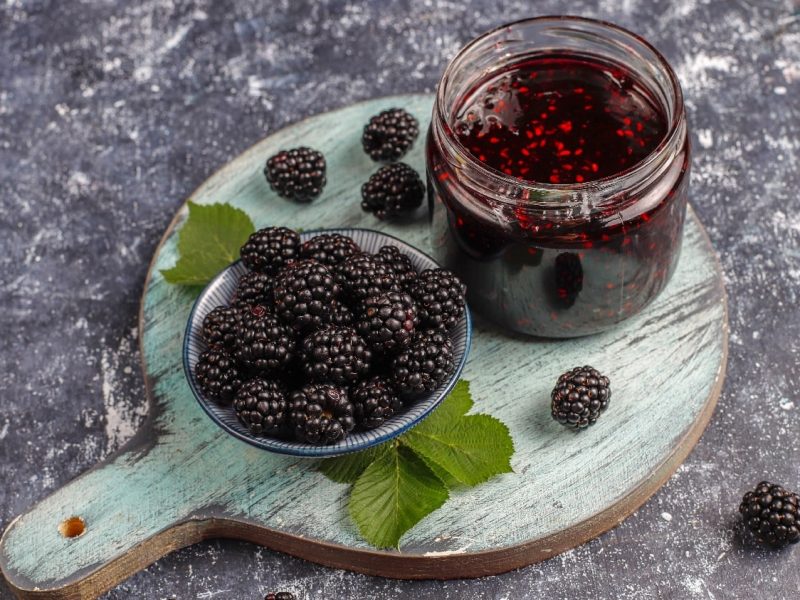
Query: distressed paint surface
[(185, 466), (112, 113)]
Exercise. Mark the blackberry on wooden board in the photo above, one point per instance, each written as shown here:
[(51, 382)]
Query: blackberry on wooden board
[(219, 326), (393, 191), (399, 263), (389, 135), (297, 174), (580, 396), (270, 249), (374, 402), (321, 413), (426, 363), (303, 295), (329, 248), (364, 275), (387, 322), (263, 343), (439, 295), (772, 514), (218, 375), (335, 354), (261, 405)]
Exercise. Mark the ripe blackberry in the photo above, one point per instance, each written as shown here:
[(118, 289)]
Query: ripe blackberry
[(303, 294), (321, 413), (254, 288), (219, 326), (389, 135), (279, 596), (387, 322), (217, 375), (297, 174), (329, 248), (569, 278), (261, 405), (427, 362), (263, 343), (335, 354), (579, 397), (772, 514), (374, 402), (399, 263), (364, 275), (393, 191), (270, 249), (439, 295), (341, 314)]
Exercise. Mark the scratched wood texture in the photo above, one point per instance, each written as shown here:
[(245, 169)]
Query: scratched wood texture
[(182, 479)]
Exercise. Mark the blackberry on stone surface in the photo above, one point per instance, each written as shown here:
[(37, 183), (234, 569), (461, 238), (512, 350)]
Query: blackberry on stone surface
[(217, 375), (439, 295), (263, 343), (297, 174), (254, 288), (393, 191), (329, 248), (427, 362), (569, 278), (219, 326), (579, 397), (387, 322), (772, 514), (270, 249), (399, 263), (374, 402), (364, 275), (303, 295), (335, 354), (389, 135), (261, 405), (321, 413), (279, 596)]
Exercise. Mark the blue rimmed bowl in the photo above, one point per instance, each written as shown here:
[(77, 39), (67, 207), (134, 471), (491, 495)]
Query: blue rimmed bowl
[(220, 291)]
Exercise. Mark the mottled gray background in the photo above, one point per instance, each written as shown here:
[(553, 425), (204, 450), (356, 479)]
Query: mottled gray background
[(112, 112)]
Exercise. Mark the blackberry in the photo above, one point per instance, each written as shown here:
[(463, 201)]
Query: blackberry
[(364, 275), (261, 405), (279, 596), (579, 397), (439, 295), (297, 174), (217, 375), (219, 326), (335, 354), (399, 263), (263, 343), (393, 191), (389, 135), (374, 402), (569, 278), (320, 413), (254, 288), (341, 314), (387, 322), (772, 514), (270, 249), (303, 294), (427, 362), (329, 248)]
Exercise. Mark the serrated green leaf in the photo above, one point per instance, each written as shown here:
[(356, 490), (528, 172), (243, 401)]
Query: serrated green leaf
[(393, 494), (456, 405), (208, 242), (348, 468)]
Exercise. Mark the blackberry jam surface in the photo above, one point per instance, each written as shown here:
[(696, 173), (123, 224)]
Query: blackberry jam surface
[(558, 190)]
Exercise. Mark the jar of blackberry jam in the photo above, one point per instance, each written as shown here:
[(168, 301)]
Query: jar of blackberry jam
[(558, 167)]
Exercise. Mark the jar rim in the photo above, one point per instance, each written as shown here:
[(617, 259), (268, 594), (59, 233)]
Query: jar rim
[(642, 166)]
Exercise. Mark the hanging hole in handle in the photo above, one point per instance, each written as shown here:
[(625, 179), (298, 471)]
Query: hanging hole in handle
[(72, 527)]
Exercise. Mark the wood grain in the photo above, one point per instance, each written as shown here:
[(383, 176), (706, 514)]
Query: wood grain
[(181, 479)]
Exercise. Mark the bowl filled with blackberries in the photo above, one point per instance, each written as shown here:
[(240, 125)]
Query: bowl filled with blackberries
[(327, 342)]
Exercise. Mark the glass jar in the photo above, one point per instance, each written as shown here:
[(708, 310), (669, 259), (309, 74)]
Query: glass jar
[(551, 258)]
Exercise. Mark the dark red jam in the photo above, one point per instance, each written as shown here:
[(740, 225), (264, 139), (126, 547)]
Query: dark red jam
[(559, 262)]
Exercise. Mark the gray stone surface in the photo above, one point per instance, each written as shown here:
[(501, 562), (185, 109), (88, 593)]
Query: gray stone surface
[(112, 112)]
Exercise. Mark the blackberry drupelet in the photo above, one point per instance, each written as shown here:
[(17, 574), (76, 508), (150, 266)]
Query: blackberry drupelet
[(341, 313), (254, 288), (297, 174), (261, 405), (219, 326), (387, 322), (321, 413), (329, 248), (303, 295), (374, 402), (439, 295), (263, 343), (772, 514), (270, 249), (393, 191), (569, 278), (427, 362), (364, 275), (579, 397), (335, 354), (217, 375), (389, 135), (399, 263)]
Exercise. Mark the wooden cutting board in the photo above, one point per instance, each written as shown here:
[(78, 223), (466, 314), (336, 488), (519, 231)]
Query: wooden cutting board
[(182, 479)]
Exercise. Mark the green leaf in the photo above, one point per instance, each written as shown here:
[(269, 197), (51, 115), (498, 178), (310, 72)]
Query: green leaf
[(393, 494), (208, 242), (348, 468)]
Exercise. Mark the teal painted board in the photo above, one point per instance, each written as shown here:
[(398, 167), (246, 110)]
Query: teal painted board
[(182, 478)]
